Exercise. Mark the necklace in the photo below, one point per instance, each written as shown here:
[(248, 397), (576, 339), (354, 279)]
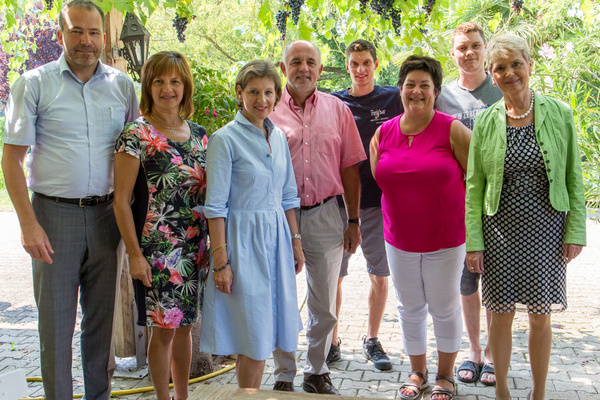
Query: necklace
[(526, 113), (172, 130)]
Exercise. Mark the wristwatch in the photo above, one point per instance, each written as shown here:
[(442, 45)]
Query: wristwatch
[(354, 221), (297, 236)]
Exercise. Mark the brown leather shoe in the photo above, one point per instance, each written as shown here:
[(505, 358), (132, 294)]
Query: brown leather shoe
[(319, 384), (284, 386)]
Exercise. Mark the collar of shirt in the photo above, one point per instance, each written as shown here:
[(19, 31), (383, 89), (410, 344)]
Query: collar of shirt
[(63, 67), (239, 117), (287, 98)]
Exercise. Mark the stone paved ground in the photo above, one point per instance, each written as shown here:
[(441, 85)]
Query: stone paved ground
[(574, 369)]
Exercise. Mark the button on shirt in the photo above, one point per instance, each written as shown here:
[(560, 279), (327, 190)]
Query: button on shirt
[(323, 140), (71, 127)]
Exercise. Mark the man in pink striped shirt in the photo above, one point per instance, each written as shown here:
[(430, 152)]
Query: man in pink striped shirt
[(325, 147)]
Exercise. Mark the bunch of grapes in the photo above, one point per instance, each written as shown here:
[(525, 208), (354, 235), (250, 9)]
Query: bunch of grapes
[(516, 5), (386, 9), (429, 6), (363, 5), (180, 25), (49, 4), (281, 18), (295, 6)]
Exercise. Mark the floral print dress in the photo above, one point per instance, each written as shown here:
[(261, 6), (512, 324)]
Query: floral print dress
[(174, 237)]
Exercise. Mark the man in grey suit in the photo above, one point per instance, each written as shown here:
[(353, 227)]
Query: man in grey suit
[(64, 117)]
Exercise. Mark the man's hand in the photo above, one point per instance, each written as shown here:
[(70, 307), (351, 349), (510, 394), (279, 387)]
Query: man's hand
[(36, 243), (352, 238), (140, 269)]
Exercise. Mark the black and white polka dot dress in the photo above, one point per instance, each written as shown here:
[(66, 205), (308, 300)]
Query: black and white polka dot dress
[(524, 267)]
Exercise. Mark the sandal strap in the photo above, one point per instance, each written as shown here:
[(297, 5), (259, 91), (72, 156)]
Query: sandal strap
[(446, 378), (447, 392), (420, 375)]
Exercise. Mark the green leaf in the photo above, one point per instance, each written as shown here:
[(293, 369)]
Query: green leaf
[(264, 12), (304, 31)]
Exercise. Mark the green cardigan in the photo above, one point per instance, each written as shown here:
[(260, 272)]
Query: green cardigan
[(555, 134)]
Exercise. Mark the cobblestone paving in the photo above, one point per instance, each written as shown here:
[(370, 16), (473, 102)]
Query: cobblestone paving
[(574, 368)]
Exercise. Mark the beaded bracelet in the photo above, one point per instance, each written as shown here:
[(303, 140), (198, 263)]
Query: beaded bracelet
[(218, 247), (222, 268)]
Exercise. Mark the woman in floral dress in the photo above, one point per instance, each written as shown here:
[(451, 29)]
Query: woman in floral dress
[(169, 256)]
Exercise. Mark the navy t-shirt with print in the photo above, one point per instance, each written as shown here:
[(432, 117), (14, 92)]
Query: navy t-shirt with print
[(369, 112)]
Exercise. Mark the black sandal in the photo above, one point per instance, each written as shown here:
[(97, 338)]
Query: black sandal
[(442, 391), (414, 387), (471, 367), (488, 369)]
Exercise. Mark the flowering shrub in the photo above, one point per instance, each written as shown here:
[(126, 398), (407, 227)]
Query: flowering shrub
[(214, 98), (41, 44)]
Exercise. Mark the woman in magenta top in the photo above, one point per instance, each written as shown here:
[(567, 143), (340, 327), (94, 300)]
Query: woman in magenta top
[(419, 159)]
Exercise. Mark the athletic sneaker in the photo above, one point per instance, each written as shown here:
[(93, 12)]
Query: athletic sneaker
[(335, 354), (373, 351)]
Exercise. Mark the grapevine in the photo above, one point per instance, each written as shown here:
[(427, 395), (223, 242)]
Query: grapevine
[(295, 5), (386, 9), (516, 5), (180, 25), (281, 18), (429, 6), (363, 5)]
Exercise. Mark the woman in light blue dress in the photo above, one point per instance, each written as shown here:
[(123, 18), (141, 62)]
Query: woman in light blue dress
[(251, 309)]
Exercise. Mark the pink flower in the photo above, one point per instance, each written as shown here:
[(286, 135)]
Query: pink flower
[(215, 114), (204, 141), (173, 316), (177, 160), (207, 111), (166, 230), (158, 264)]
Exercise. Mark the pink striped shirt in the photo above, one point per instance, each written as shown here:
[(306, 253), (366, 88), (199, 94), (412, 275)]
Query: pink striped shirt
[(323, 140)]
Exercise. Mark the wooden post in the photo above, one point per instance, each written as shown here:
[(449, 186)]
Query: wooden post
[(129, 338), (114, 23)]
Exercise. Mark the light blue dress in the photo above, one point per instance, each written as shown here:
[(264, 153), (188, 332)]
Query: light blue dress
[(251, 186)]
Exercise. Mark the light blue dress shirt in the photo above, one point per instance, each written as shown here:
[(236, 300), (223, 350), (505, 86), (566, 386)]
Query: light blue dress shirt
[(71, 127), (251, 184)]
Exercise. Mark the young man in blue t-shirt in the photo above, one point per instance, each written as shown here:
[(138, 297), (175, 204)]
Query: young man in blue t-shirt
[(371, 105)]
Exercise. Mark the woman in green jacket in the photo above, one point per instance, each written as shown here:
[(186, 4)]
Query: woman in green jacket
[(525, 210)]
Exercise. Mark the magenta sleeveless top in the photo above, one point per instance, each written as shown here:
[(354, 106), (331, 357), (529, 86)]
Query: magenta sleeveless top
[(423, 200)]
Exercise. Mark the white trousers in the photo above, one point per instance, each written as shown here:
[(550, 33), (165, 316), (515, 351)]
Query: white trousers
[(428, 282)]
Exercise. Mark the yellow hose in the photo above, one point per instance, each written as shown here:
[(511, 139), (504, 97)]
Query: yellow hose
[(151, 388), (139, 390)]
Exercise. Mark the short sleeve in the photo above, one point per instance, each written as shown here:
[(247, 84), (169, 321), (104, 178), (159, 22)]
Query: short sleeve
[(353, 151), (129, 141), (21, 113)]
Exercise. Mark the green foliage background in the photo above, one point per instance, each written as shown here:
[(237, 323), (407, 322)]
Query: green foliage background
[(224, 34)]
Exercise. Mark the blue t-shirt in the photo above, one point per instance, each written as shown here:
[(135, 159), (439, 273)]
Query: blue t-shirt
[(370, 111)]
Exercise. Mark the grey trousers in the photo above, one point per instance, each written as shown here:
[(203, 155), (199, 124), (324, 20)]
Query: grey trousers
[(322, 241), (85, 264)]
